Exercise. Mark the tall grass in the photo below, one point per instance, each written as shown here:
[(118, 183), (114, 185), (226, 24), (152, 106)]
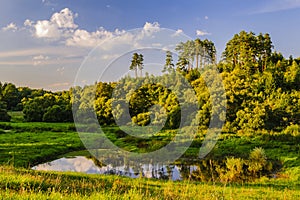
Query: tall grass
[(18, 183)]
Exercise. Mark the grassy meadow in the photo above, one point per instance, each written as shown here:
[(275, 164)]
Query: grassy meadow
[(18, 183), (24, 145)]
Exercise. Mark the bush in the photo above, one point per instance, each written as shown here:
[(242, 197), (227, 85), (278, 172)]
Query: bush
[(257, 161), (53, 114), (293, 130), (235, 170), (142, 119), (4, 117)]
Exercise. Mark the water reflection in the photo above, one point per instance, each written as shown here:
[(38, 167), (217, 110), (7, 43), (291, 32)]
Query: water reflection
[(88, 166)]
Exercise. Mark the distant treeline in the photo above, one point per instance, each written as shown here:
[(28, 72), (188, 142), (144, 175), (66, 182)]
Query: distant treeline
[(262, 89), (37, 104)]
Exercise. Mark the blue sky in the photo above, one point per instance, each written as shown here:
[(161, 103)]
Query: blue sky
[(44, 42)]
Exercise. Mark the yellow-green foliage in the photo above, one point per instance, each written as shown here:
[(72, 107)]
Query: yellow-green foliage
[(293, 130)]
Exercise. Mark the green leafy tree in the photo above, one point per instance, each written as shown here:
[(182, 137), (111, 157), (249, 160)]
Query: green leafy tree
[(10, 95), (33, 110), (248, 51), (49, 108), (292, 76), (204, 52), (140, 64), (4, 116), (137, 64), (134, 63)]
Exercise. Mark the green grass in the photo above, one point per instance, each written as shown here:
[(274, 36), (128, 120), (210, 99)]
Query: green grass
[(27, 144), (18, 183)]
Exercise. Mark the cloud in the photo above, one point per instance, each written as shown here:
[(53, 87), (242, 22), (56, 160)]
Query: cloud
[(28, 23), (51, 50), (39, 60), (40, 57), (150, 28), (202, 33), (54, 55), (277, 5), (64, 19), (56, 44), (61, 24), (84, 38), (12, 26), (31, 62), (46, 29), (48, 3), (178, 32), (61, 27), (206, 17), (61, 70), (58, 85), (110, 56), (156, 44)]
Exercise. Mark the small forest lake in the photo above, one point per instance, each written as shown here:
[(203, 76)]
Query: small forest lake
[(83, 164)]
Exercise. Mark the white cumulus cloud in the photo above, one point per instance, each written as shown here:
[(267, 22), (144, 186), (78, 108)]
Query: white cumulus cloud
[(12, 26), (201, 33), (60, 25), (64, 19), (28, 23), (150, 28), (46, 29), (178, 32), (84, 38)]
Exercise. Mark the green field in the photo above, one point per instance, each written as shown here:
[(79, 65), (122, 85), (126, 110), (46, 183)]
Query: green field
[(23, 145), (27, 184)]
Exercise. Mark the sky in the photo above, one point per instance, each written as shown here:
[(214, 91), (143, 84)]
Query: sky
[(50, 44)]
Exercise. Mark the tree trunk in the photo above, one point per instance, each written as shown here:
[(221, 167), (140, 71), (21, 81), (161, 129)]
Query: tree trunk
[(135, 71), (197, 61)]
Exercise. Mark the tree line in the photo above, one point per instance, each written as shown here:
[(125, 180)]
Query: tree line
[(37, 104), (262, 89)]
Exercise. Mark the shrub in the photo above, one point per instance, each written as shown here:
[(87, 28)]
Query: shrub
[(142, 119), (293, 130), (4, 117), (257, 161), (235, 172)]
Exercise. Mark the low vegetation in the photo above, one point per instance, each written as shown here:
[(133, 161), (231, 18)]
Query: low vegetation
[(27, 184)]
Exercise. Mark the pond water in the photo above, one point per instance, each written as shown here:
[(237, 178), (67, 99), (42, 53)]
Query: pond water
[(85, 165)]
